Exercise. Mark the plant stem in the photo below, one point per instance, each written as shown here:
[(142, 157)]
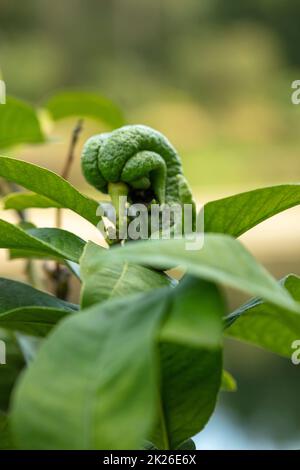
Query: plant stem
[(33, 276), (116, 191), (69, 161), (70, 158), (60, 276)]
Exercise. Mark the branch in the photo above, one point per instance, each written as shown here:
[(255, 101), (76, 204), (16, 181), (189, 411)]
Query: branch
[(69, 161), (70, 158), (60, 276)]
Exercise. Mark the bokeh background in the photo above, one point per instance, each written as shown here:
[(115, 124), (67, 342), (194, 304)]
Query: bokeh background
[(214, 76)]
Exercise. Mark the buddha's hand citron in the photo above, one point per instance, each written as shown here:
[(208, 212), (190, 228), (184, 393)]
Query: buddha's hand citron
[(138, 162)]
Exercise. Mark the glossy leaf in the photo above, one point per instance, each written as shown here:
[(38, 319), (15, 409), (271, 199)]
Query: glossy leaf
[(48, 184), (187, 324), (35, 321), (70, 246), (120, 342), (228, 382), (46, 242), (190, 362), (10, 371), (97, 370), (187, 445), (19, 124), (116, 338), (236, 214), (25, 309), (15, 295), (5, 436), (195, 318), (82, 104), (107, 281), (267, 325), (222, 260), (23, 200)]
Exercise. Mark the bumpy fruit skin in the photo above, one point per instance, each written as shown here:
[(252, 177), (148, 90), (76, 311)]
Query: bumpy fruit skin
[(139, 156)]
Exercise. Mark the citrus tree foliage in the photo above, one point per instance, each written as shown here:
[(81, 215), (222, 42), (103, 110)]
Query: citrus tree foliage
[(138, 362)]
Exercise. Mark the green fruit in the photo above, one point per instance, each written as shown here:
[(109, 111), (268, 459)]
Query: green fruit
[(142, 158)]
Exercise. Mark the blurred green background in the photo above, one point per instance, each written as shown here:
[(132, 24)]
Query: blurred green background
[(214, 76)]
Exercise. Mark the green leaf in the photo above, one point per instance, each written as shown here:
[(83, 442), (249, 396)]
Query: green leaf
[(35, 321), (19, 124), (97, 370), (16, 253), (45, 242), (189, 444), (236, 214), (5, 437), (228, 382), (14, 295), (197, 327), (48, 184), (266, 325), (222, 259), (23, 200), (106, 281), (195, 318), (25, 309), (190, 362), (184, 326), (26, 225), (10, 371), (82, 104), (68, 245), (147, 445)]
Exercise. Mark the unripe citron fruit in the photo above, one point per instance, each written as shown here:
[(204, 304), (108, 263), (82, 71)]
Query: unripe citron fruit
[(139, 156)]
